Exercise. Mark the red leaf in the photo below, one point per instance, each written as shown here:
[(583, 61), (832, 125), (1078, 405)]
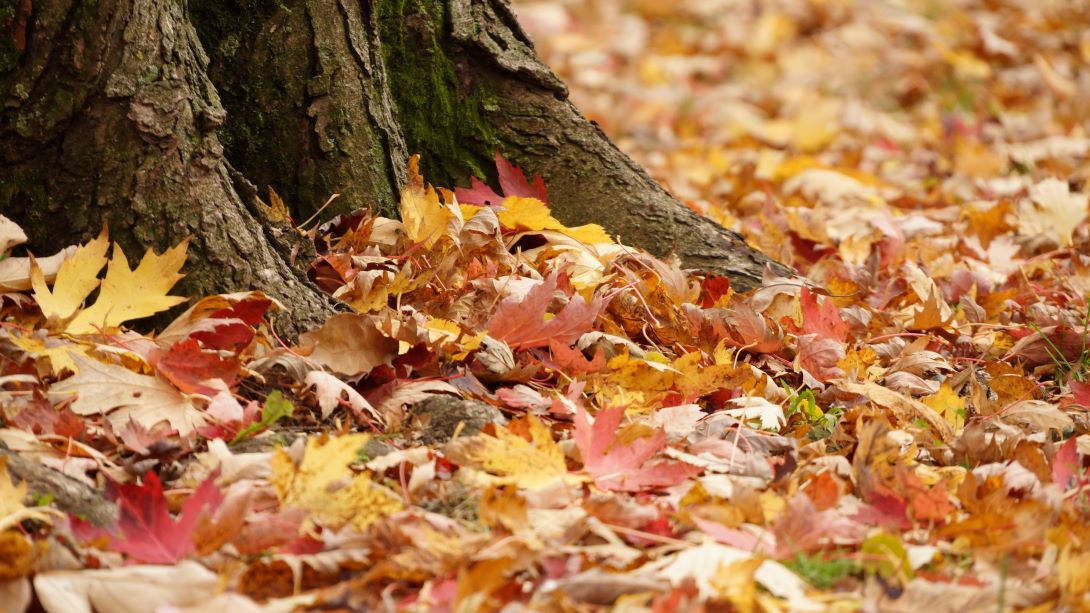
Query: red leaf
[(712, 288), (521, 321), (195, 371), (1066, 465), (624, 467), (823, 320), (226, 334), (145, 529), (513, 182), (1080, 393), (477, 193)]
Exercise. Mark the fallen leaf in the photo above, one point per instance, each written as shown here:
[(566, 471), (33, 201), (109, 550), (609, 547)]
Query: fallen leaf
[(145, 530), (624, 465), (425, 218), (525, 322), (75, 280), (122, 395), (509, 458), (325, 486), (132, 294), (349, 344)]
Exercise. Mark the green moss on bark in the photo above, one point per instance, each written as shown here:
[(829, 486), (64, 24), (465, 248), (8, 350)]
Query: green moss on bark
[(442, 111)]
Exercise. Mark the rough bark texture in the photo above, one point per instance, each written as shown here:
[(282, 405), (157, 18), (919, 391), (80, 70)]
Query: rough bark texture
[(108, 117), (589, 179), (310, 112), (463, 80)]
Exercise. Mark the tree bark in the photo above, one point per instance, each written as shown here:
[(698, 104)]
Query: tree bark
[(112, 113), (108, 117)]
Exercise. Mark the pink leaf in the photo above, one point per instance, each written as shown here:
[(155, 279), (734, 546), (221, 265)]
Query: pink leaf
[(819, 357), (1066, 465), (477, 193), (624, 467), (522, 322), (512, 183)]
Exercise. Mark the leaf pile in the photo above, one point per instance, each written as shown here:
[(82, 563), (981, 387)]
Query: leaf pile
[(520, 413)]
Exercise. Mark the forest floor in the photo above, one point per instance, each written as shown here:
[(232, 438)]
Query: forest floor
[(521, 415)]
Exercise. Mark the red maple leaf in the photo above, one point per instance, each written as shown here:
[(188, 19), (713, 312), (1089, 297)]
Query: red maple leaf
[(145, 530), (1066, 465), (624, 467), (194, 370), (512, 183), (522, 323), (822, 319)]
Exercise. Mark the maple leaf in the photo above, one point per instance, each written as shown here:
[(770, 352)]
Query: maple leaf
[(1066, 464), (127, 294), (522, 322), (121, 395), (196, 371), (349, 344), (519, 213), (509, 458), (425, 218), (821, 319), (75, 280), (146, 531), (325, 486), (624, 466), (512, 183)]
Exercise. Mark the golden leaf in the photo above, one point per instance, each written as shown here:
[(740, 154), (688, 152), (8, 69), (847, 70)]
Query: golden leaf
[(509, 458), (324, 485), (131, 294), (425, 218), (532, 214), (76, 279), (947, 403)]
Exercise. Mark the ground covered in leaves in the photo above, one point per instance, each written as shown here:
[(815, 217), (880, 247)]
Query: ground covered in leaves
[(517, 414)]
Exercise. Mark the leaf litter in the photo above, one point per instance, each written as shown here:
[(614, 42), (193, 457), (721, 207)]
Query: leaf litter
[(905, 428)]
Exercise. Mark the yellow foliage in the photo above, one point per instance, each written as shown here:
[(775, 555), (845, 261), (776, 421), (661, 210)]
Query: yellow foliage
[(425, 218), (532, 214), (323, 484), (510, 459)]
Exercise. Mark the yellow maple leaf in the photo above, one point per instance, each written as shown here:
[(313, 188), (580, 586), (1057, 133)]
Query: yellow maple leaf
[(76, 279), (520, 213), (131, 294), (508, 458), (947, 403), (424, 217), (323, 484), (57, 351)]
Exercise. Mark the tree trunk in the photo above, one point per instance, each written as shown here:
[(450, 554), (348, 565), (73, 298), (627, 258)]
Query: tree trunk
[(112, 112)]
